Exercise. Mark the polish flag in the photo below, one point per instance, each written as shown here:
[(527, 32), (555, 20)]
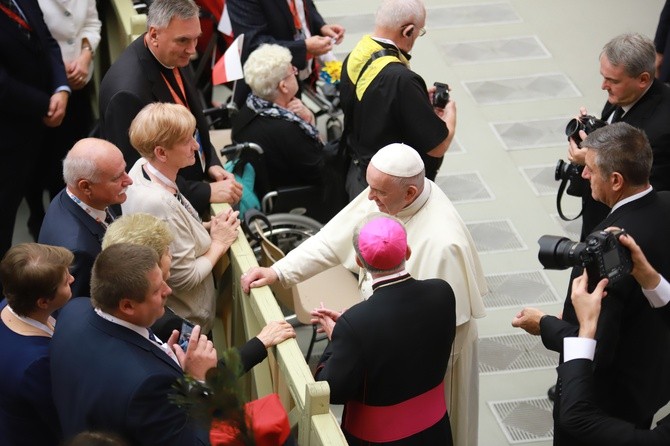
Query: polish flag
[(229, 67), (225, 27)]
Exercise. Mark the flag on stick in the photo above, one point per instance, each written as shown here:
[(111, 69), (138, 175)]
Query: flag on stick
[(225, 27), (229, 66)]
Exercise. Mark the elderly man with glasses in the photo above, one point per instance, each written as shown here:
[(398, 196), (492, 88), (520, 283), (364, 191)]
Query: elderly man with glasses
[(384, 101)]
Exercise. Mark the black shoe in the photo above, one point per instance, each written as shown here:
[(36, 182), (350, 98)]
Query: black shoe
[(551, 393)]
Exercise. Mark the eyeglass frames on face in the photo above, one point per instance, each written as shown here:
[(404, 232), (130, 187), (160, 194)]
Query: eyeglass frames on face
[(422, 31)]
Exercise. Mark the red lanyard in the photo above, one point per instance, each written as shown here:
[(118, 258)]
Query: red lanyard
[(17, 18), (180, 83), (294, 12)]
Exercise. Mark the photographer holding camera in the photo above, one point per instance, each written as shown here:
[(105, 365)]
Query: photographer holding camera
[(580, 414), (627, 64), (633, 358), (385, 102)]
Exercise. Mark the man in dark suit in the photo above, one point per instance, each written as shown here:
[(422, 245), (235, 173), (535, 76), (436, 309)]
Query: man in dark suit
[(637, 98), (580, 414), (390, 379), (33, 94), (109, 372), (95, 177), (154, 68), (632, 362), (296, 25)]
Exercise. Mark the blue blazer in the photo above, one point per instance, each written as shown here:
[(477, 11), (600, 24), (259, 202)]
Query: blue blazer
[(107, 377), (66, 224)]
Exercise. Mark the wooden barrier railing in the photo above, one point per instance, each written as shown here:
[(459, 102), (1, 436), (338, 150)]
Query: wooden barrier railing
[(285, 371)]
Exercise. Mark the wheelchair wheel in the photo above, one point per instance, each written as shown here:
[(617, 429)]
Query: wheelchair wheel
[(288, 231)]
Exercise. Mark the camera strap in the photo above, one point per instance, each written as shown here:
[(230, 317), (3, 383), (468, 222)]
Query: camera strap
[(559, 197)]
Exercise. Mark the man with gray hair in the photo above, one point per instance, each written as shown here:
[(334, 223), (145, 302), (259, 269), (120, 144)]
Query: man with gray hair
[(634, 96), (632, 362), (442, 247), (95, 178), (154, 68), (384, 101)]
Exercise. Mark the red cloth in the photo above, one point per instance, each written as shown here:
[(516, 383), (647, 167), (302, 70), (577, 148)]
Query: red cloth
[(265, 416)]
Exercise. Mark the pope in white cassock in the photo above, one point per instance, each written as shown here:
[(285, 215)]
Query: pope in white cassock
[(441, 248)]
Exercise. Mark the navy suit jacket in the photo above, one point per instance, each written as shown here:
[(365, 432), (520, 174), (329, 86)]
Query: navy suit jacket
[(66, 224), (131, 83), (632, 390), (30, 72), (270, 21), (107, 377)]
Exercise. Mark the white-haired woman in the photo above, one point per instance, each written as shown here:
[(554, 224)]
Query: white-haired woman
[(280, 123)]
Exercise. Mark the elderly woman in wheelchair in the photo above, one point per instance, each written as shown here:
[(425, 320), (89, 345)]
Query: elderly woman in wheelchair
[(283, 126), (163, 134)]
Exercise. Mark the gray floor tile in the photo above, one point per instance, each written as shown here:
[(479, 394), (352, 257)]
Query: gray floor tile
[(541, 179), (465, 187), (520, 89), (497, 50), (471, 15), (519, 289), (495, 236), (524, 420), (532, 134)]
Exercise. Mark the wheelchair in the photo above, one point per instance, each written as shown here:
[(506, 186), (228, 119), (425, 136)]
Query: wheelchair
[(282, 210)]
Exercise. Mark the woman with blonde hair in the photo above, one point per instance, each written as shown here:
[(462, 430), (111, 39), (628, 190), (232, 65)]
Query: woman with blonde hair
[(163, 134)]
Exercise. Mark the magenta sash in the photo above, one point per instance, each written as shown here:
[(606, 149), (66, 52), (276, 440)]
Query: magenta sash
[(379, 424)]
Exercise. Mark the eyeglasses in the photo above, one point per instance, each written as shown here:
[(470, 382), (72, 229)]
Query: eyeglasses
[(422, 31), (294, 72)]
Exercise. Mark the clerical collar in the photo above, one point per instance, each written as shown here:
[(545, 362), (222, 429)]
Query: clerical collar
[(142, 331), (388, 42), (146, 45), (390, 279), (408, 212), (96, 214)]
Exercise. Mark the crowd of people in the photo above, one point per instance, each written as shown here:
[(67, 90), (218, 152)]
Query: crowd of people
[(116, 301)]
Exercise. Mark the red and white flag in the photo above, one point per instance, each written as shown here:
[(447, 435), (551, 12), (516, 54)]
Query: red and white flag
[(229, 67), (225, 27)]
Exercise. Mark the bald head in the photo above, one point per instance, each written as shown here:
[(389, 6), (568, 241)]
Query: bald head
[(94, 171)]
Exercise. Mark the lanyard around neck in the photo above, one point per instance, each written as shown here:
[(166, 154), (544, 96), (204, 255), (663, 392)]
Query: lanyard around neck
[(179, 99), (33, 323), (160, 176)]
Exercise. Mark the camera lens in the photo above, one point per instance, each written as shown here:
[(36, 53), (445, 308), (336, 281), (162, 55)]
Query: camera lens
[(573, 127), (559, 252)]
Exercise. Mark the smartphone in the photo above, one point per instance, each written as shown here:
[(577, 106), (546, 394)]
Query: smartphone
[(185, 334)]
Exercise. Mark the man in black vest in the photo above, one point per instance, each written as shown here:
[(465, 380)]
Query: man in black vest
[(385, 102)]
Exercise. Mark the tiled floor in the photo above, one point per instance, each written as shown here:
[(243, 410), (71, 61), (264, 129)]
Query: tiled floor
[(518, 70)]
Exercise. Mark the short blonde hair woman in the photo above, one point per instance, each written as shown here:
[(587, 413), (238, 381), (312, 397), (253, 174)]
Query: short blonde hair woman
[(164, 135)]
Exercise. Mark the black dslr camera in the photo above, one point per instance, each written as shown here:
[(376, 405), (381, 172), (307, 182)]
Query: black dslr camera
[(569, 172), (441, 95), (601, 255), (588, 123)]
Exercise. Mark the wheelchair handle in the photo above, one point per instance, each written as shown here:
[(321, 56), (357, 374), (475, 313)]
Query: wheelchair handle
[(235, 149)]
